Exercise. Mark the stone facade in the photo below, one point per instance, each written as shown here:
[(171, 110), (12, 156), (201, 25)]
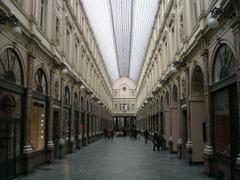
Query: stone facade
[(54, 87), (188, 87)]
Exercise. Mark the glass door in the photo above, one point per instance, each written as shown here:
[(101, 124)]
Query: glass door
[(7, 150)]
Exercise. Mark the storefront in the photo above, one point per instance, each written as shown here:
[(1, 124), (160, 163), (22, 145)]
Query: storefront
[(225, 111), (11, 116), (76, 121)]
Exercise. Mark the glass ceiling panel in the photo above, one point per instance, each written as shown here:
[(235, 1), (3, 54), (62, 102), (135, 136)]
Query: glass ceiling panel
[(122, 29), (144, 16), (99, 15)]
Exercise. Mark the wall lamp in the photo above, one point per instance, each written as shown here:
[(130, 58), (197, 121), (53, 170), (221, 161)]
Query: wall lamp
[(12, 20), (226, 13)]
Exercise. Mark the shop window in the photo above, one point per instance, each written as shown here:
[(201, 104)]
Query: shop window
[(224, 65), (222, 123), (38, 126), (10, 68)]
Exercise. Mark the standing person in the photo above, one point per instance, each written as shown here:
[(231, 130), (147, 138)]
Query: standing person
[(138, 134), (109, 133), (112, 133), (105, 133), (146, 135), (161, 141), (155, 142)]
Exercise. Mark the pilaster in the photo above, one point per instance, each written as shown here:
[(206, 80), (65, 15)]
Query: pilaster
[(28, 148)]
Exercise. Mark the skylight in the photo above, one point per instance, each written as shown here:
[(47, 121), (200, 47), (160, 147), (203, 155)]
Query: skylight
[(122, 29)]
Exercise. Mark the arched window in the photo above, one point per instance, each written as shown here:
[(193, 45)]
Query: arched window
[(42, 5), (40, 83), (66, 96), (224, 64), (82, 104), (197, 81), (75, 100), (10, 68), (87, 107), (174, 93)]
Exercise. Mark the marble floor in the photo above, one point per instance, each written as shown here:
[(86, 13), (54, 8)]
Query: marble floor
[(118, 159)]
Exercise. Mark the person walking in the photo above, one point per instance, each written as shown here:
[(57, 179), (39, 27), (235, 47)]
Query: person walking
[(155, 142), (105, 131), (161, 140), (146, 135)]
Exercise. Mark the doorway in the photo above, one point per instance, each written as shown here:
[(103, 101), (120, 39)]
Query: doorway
[(56, 134), (225, 107), (76, 115), (184, 134)]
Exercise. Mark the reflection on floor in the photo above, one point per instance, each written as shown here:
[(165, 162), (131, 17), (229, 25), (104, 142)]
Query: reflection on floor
[(118, 159)]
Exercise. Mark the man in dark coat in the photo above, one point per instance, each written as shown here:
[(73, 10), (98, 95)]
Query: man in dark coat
[(156, 142), (146, 135)]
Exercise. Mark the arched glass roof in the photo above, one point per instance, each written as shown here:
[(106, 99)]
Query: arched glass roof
[(122, 29)]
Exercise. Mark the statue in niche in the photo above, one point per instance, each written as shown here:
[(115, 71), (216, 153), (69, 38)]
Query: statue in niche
[(56, 90), (181, 28), (183, 88)]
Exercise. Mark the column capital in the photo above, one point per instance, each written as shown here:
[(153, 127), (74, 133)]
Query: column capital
[(30, 56), (204, 54)]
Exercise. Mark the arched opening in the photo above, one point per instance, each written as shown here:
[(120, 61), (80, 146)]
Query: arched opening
[(225, 108), (76, 121), (197, 114), (11, 115), (38, 113)]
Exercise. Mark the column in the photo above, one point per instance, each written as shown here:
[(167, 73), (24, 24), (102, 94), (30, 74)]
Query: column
[(72, 124), (189, 142), (179, 144), (28, 105), (50, 145), (208, 149)]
